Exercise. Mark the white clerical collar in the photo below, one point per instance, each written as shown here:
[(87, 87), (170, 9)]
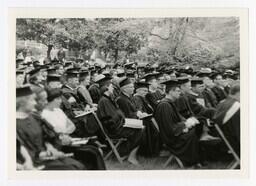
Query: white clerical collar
[(21, 115)]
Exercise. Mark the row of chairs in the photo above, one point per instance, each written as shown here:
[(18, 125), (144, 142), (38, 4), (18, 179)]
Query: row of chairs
[(115, 143)]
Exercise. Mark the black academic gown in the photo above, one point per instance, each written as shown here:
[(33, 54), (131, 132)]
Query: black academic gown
[(210, 98), (220, 93), (32, 136), (151, 145), (228, 118), (171, 125), (86, 125), (113, 120), (94, 91)]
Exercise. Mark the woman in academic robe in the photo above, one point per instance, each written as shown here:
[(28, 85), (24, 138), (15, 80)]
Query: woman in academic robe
[(89, 154), (113, 121), (31, 135)]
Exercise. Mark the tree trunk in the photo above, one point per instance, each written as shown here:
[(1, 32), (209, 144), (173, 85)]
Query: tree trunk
[(49, 51), (116, 55)]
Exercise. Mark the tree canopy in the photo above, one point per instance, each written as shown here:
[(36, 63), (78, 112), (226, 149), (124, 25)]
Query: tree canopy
[(185, 40)]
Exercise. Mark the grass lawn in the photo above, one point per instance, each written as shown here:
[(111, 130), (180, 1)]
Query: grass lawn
[(157, 164)]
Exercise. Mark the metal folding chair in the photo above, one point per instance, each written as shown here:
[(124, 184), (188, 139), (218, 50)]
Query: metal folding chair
[(113, 143), (236, 162)]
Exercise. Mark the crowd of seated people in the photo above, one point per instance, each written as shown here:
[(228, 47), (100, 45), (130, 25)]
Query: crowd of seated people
[(61, 106)]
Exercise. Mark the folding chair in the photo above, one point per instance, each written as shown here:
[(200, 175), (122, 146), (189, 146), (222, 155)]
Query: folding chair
[(171, 158), (114, 143), (236, 161)]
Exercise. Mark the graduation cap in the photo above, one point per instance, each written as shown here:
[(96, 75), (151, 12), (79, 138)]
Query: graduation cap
[(171, 83), (23, 91), (141, 84), (19, 72), (151, 76), (51, 70), (130, 65), (53, 77), (68, 63), (120, 73), (102, 80), (204, 72), (83, 74), (196, 81), (130, 74), (34, 72), (124, 81), (183, 80), (72, 72)]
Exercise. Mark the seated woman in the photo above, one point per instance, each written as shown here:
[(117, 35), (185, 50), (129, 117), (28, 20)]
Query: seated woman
[(31, 135), (63, 126), (113, 120)]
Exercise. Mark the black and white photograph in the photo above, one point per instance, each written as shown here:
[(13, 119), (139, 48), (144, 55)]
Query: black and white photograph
[(128, 93)]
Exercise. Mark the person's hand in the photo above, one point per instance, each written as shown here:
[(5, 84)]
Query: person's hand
[(141, 114), (87, 108), (71, 100), (195, 120), (58, 154), (44, 154), (65, 139), (189, 123), (78, 112)]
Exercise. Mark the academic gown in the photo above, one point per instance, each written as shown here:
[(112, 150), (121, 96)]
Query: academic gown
[(219, 93), (113, 120), (94, 91), (171, 125), (210, 98), (86, 125), (228, 118), (31, 134), (151, 145)]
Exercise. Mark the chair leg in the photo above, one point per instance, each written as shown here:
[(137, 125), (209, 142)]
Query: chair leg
[(168, 161), (179, 162), (114, 150), (233, 164)]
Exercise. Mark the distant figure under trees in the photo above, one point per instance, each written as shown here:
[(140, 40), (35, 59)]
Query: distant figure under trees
[(61, 55)]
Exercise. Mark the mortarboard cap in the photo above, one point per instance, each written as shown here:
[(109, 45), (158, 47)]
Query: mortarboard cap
[(124, 81), (141, 84), (171, 83), (149, 77), (53, 77), (196, 81), (23, 91), (102, 80), (183, 80)]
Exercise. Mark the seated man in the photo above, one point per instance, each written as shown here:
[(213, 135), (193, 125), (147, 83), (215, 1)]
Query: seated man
[(219, 88), (228, 117), (175, 131), (71, 105), (154, 95), (113, 121)]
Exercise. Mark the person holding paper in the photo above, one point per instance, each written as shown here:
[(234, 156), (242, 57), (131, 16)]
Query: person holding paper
[(113, 121)]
